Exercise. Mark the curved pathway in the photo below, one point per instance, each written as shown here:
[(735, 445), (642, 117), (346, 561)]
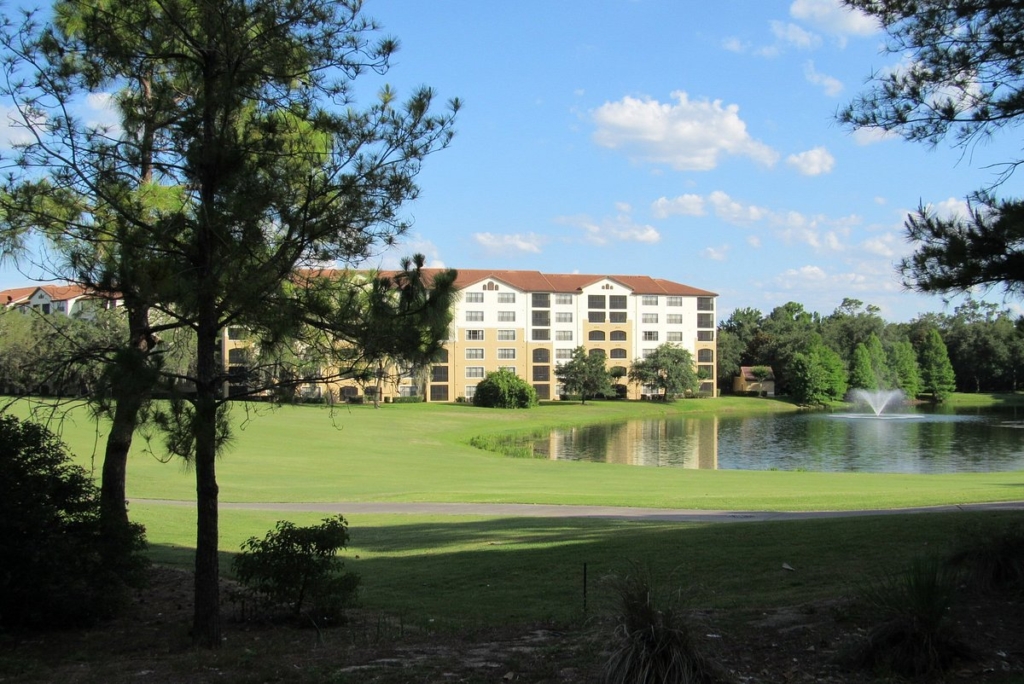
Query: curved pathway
[(557, 511)]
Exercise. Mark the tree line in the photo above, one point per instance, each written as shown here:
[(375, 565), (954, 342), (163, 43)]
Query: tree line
[(977, 348)]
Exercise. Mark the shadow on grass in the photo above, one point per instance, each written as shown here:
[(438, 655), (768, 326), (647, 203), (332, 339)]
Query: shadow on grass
[(527, 570)]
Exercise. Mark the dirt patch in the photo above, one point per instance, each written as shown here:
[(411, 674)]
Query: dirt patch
[(150, 644)]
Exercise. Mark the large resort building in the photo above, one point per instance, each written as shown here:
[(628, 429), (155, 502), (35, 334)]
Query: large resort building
[(524, 321)]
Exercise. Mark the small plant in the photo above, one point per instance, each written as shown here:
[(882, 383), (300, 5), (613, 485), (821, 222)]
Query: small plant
[(504, 389), (297, 568), (992, 560), (914, 636), (651, 643)]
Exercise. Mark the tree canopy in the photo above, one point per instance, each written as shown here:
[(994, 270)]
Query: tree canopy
[(961, 78), (584, 374), (669, 368)]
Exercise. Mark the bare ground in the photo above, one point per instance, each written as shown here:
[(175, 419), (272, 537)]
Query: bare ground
[(149, 644)]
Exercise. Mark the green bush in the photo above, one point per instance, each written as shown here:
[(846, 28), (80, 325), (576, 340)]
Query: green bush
[(59, 569), (504, 389), (297, 568), (651, 643), (992, 560), (914, 636)]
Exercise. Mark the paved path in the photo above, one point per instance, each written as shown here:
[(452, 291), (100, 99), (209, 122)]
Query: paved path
[(553, 511)]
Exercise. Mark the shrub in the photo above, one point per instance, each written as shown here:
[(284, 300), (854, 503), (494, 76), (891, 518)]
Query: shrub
[(297, 568), (504, 389), (992, 560), (59, 568), (914, 636), (650, 643)]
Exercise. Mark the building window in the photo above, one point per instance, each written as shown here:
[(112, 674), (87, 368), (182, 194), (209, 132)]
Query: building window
[(706, 371), (563, 354), (541, 300), (649, 318), (563, 317), (563, 299), (541, 356), (439, 393), (490, 286), (506, 335), (705, 304), (617, 301), (510, 369), (705, 320), (563, 335), (540, 334), (649, 300), (673, 301), (616, 316), (595, 316), (507, 298), (442, 356), (474, 335), (705, 355), (470, 392), (596, 336), (617, 336), (474, 353), (237, 356), (595, 302), (408, 391), (474, 371), (506, 316), (474, 316), (506, 353), (646, 352), (474, 297), (675, 336), (543, 391), (650, 336), (619, 354), (439, 373), (542, 318), (541, 373), (674, 319), (597, 352), (236, 333), (705, 335)]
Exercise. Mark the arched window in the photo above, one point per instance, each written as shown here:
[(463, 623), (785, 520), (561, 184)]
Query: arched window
[(596, 352), (619, 354), (618, 336), (596, 336), (541, 355)]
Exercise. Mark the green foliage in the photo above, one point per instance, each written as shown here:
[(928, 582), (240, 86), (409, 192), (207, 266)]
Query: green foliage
[(914, 636), (504, 389), (585, 375), (862, 375), (651, 643), (669, 368), (818, 376), (937, 376), (992, 560), (59, 568), (298, 568), (906, 372)]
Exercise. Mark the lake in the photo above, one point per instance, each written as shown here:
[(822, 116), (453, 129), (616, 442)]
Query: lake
[(910, 441)]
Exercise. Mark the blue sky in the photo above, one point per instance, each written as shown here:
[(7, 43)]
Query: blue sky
[(689, 140)]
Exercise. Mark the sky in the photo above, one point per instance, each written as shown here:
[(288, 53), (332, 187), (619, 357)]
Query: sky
[(683, 139)]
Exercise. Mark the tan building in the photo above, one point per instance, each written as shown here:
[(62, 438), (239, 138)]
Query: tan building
[(530, 322)]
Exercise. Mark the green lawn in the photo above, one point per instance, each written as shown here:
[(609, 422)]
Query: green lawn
[(421, 452)]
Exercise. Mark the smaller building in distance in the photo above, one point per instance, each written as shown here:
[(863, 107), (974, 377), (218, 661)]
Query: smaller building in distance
[(755, 379)]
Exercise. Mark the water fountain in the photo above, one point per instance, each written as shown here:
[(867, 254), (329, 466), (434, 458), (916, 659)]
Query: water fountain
[(876, 399)]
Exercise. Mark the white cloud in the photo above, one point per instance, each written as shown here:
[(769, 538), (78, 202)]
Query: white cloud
[(754, 241), (833, 18), (684, 205), (951, 208), (687, 135), (791, 34), (12, 128), (620, 228), (812, 162), (735, 212), (716, 253), (832, 86), (734, 45), (494, 243)]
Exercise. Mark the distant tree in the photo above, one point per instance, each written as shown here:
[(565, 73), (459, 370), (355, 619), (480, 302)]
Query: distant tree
[(788, 329), (862, 375), (584, 374), (504, 389), (903, 361), (730, 356), (937, 376), (669, 368), (852, 323), (818, 376), (761, 375), (961, 77)]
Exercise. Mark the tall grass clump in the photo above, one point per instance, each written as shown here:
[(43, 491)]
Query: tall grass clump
[(914, 635), (651, 643), (992, 560)]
